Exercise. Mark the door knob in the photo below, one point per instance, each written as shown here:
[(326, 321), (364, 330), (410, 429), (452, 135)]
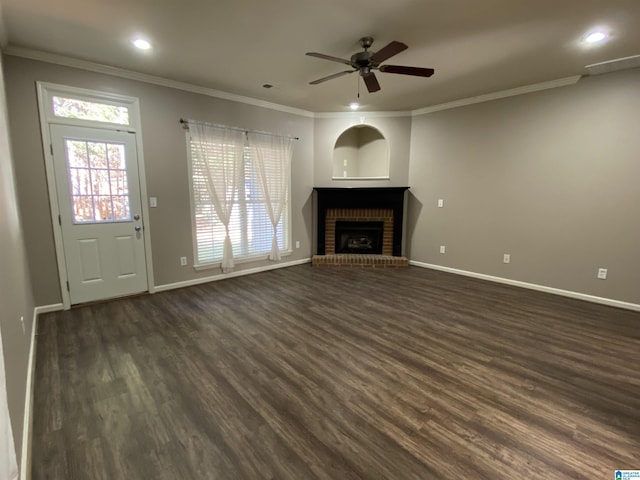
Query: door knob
[(136, 217), (137, 228)]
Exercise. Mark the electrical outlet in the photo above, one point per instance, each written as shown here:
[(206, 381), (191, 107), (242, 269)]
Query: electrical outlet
[(602, 273), (506, 258), (297, 243), (442, 248), (183, 261), (440, 203)]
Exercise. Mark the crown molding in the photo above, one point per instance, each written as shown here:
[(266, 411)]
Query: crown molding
[(615, 65), (152, 79), (357, 115), (143, 77), (536, 87)]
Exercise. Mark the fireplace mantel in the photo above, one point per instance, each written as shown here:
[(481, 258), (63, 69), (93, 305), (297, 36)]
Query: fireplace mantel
[(367, 197)]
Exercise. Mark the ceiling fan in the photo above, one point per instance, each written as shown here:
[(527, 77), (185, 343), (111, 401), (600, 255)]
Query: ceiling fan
[(366, 62)]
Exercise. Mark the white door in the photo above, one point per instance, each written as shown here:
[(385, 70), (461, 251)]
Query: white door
[(98, 189)]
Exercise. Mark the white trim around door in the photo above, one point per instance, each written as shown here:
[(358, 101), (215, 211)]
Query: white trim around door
[(122, 114)]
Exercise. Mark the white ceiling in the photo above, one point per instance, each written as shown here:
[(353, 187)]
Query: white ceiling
[(476, 46)]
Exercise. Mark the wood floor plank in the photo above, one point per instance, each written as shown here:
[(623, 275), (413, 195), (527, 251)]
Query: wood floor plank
[(350, 374)]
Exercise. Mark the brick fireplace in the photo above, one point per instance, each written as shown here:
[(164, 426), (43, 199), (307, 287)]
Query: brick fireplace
[(355, 216), (359, 226)]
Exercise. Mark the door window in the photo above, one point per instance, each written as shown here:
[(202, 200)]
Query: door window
[(98, 181)]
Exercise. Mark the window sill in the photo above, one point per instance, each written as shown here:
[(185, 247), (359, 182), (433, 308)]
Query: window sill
[(254, 258), (360, 178)]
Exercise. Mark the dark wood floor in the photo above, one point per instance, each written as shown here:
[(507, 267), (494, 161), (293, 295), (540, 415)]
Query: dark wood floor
[(338, 374)]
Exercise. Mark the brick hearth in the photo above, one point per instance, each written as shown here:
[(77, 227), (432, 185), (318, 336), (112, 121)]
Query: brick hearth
[(359, 261)]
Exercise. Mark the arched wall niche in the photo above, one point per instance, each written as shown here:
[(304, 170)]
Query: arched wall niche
[(361, 152)]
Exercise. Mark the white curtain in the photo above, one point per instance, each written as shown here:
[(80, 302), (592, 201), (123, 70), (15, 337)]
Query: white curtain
[(272, 161), (8, 463), (220, 152)]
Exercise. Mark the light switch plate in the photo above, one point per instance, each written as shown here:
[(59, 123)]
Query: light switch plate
[(153, 201)]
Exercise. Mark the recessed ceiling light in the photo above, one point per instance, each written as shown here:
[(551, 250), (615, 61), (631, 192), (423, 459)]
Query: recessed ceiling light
[(141, 43), (595, 37), (354, 105)]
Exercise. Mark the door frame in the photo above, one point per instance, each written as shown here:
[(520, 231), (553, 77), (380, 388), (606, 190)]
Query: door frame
[(45, 92)]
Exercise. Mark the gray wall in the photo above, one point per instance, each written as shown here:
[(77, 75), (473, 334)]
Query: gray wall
[(346, 150), (549, 177), (553, 178), (15, 289), (165, 157), (373, 154)]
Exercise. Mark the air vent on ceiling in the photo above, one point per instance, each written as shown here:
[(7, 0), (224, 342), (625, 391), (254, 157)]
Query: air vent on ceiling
[(616, 65)]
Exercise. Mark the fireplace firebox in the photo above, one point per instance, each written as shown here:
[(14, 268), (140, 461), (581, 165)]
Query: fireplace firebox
[(359, 237)]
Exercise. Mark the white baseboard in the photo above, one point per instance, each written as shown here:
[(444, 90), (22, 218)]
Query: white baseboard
[(224, 276), (532, 286), (27, 431), (55, 307)]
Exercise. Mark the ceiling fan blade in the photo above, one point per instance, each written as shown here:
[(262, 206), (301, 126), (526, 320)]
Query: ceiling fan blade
[(416, 71), (329, 57), (371, 82), (331, 77), (389, 51)]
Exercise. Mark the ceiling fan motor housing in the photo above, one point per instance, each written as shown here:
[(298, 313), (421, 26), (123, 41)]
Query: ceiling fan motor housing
[(362, 61)]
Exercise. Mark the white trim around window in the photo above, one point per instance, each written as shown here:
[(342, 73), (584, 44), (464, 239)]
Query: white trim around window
[(242, 253)]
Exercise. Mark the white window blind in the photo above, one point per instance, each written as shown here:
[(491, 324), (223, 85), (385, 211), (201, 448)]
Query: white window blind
[(250, 227)]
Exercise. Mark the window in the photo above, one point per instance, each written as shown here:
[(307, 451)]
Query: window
[(100, 112), (250, 227), (98, 180), (61, 104)]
